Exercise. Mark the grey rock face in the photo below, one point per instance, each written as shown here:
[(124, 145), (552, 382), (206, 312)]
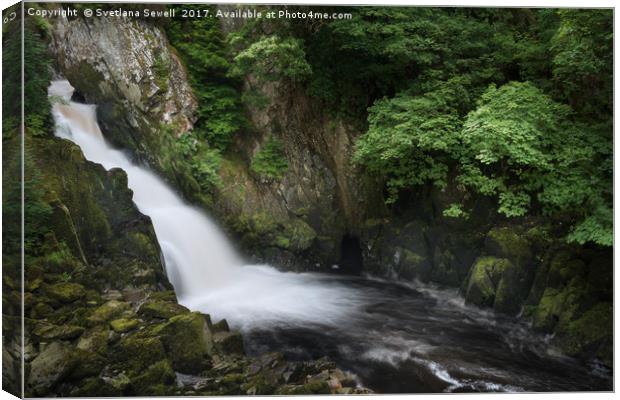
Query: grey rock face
[(128, 69)]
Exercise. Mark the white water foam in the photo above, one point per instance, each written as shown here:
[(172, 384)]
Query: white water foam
[(206, 272)]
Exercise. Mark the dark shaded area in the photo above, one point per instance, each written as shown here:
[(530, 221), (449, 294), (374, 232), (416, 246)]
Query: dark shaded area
[(350, 255)]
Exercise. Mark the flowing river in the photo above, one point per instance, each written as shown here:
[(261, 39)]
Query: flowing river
[(396, 337)]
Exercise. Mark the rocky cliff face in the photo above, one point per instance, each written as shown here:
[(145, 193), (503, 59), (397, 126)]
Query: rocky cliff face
[(130, 71)]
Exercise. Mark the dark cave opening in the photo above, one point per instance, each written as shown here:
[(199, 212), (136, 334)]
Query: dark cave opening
[(350, 255)]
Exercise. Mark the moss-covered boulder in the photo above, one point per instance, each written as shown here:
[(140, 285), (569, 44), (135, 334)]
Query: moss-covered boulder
[(148, 383), (161, 309), (484, 280), (66, 292), (229, 342), (45, 331), (590, 333), (50, 367), (187, 340), (107, 311), (95, 340), (135, 354), (507, 242)]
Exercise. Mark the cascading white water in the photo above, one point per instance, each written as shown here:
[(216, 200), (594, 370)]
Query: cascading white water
[(203, 267)]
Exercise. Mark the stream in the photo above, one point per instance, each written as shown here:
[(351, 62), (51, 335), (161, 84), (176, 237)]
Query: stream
[(395, 337)]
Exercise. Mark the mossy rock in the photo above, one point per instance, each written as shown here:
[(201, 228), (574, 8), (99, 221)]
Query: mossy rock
[(229, 342), (587, 333), (95, 340), (107, 311), (412, 264), (51, 366), (66, 292), (135, 354), (146, 384), (95, 387), (47, 331), (187, 340), (557, 307), (123, 325), (508, 243), (484, 280), (563, 268), (161, 309)]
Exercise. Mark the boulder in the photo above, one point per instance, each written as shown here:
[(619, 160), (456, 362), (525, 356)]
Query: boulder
[(54, 332), (229, 342), (107, 311), (187, 340), (159, 373), (136, 354), (66, 292), (161, 309), (506, 242), (484, 280), (52, 364), (95, 340)]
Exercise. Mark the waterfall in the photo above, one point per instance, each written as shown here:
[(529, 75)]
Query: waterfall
[(204, 268)]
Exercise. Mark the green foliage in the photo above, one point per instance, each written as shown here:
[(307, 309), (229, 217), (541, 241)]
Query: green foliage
[(410, 137), (583, 60), (272, 58), (455, 210), (270, 161), (200, 44), (36, 73), (204, 161), (36, 210), (161, 70)]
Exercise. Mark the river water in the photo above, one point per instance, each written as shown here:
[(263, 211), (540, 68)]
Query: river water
[(395, 337)]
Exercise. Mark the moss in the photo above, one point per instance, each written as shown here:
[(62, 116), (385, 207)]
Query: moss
[(270, 161), (484, 280), (66, 292), (161, 71), (229, 342), (143, 244), (296, 236), (135, 354), (161, 309), (107, 311), (589, 330), (124, 325), (508, 243), (157, 374), (95, 340), (47, 331), (187, 341), (95, 387)]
